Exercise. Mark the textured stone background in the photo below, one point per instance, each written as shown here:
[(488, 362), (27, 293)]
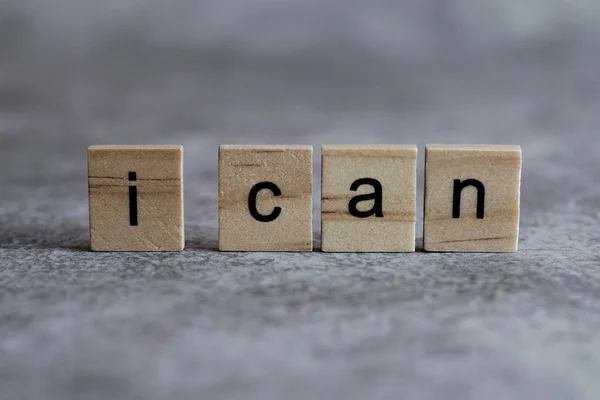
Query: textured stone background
[(200, 324)]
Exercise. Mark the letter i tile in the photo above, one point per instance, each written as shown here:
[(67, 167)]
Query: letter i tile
[(136, 198)]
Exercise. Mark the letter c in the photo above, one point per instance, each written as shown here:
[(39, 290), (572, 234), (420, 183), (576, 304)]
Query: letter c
[(252, 201)]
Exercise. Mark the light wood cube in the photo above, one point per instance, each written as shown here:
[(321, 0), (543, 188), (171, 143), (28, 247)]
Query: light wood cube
[(472, 197), (136, 198), (368, 198), (265, 198)]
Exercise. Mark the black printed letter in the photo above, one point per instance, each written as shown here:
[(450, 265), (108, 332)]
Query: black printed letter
[(377, 196), (133, 208), (252, 201), (458, 188)]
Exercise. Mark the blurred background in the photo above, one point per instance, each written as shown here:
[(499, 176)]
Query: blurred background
[(111, 69)]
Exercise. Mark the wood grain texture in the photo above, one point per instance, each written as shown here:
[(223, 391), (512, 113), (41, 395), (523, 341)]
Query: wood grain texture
[(394, 167), (155, 173), (290, 168), (498, 169)]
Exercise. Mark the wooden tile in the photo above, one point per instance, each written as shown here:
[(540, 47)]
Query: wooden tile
[(472, 195), (136, 198), (265, 198), (368, 198)]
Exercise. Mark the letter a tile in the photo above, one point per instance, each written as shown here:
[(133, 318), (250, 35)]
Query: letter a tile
[(368, 198), (136, 198), (472, 196), (265, 198)]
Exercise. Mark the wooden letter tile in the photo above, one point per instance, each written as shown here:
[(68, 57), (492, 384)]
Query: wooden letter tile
[(136, 198), (472, 195), (265, 198), (368, 198)]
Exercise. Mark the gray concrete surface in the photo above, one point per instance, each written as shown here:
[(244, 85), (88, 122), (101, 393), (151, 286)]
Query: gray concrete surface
[(201, 324)]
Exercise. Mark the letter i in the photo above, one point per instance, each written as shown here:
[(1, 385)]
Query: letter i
[(133, 207)]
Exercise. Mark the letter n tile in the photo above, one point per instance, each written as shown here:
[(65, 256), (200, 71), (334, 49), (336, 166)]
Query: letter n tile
[(472, 197)]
